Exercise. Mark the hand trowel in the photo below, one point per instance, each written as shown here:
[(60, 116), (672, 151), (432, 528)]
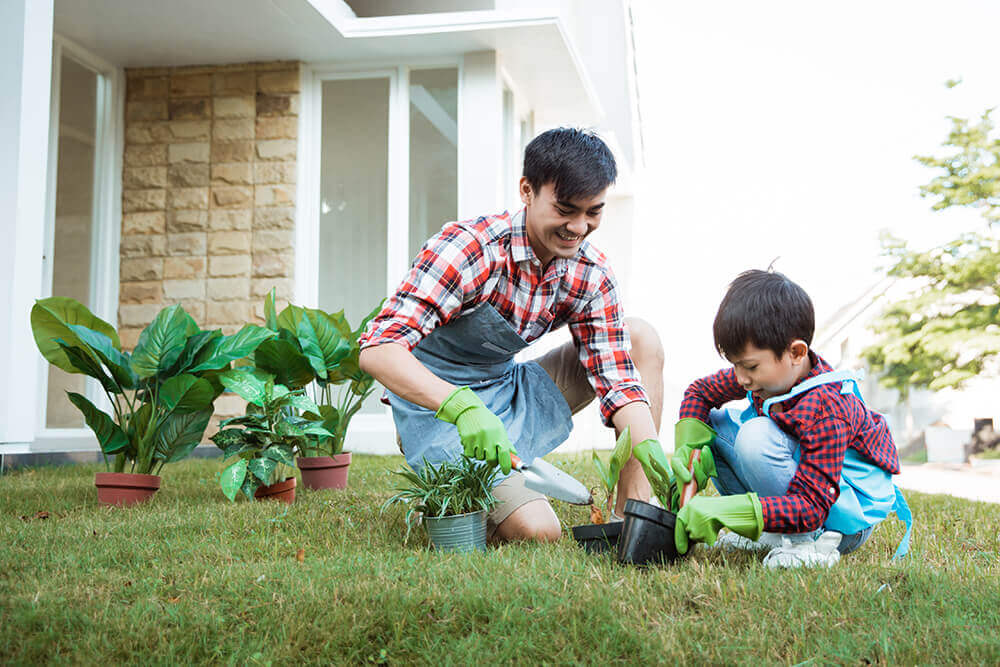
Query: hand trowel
[(545, 478)]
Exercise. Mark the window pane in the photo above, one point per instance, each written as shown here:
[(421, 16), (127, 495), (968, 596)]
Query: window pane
[(74, 223), (433, 153), (353, 193)]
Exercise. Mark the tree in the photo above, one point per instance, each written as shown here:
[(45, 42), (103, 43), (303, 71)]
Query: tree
[(945, 330)]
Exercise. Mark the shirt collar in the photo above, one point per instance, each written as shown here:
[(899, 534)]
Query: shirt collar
[(521, 250)]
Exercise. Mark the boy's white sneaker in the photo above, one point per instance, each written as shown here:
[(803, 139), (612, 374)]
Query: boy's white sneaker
[(731, 541), (821, 552)]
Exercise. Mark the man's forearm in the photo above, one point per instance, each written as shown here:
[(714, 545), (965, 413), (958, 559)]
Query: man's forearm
[(402, 373)]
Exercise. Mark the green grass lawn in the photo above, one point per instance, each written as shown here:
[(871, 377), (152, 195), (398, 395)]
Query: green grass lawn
[(191, 577)]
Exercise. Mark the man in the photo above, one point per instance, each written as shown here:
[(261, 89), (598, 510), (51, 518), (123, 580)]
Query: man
[(481, 290)]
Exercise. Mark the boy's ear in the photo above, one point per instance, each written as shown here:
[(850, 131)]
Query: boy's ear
[(799, 349)]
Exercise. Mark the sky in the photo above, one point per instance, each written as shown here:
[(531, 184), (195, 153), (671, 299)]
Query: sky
[(777, 129)]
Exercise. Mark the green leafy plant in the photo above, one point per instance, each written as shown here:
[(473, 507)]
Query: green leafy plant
[(318, 350), (161, 394), (449, 488), (609, 474), (265, 438)]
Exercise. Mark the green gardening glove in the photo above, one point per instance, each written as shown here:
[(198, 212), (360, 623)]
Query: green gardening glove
[(691, 434), (482, 433), (702, 517), (657, 469)]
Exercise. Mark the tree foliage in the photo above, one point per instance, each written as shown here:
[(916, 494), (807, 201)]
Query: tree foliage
[(944, 330)]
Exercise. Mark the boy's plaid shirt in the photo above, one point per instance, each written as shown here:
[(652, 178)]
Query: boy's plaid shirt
[(825, 422), (489, 260)]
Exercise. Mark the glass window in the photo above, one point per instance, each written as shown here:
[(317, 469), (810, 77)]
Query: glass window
[(433, 153), (74, 218)]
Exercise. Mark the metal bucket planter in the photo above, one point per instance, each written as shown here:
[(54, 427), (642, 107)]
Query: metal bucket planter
[(124, 488), (324, 472), (463, 532)]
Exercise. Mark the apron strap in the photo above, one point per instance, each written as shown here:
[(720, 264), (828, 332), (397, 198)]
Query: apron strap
[(903, 514), (830, 377)]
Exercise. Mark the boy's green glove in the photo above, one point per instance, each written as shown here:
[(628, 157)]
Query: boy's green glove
[(657, 469), (702, 517), (482, 433), (691, 434)]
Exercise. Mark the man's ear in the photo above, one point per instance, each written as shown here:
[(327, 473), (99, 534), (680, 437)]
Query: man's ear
[(799, 349), (526, 191)]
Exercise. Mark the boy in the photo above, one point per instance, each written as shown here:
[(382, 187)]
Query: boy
[(481, 290), (807, 462)]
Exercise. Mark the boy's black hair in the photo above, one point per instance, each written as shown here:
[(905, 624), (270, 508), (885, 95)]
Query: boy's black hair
[(576, 162), (766, 309)]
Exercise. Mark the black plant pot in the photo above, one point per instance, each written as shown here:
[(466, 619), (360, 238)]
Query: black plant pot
[(647, 535), (597, 538)]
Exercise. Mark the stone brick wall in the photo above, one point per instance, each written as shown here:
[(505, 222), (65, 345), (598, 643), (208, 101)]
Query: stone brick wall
[(208, 192)]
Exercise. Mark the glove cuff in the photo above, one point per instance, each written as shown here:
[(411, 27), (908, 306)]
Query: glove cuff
[(758, 511), (694, 432), (458, 402)]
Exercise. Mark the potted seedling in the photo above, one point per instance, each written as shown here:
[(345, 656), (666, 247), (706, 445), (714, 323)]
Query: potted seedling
[(265, 438), (160, 395), (319, 351), (602, 534), (453, 499)]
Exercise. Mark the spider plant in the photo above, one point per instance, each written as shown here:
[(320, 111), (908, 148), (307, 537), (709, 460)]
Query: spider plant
[(449, 488)]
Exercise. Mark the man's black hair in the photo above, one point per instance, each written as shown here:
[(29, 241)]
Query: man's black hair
[(766, 309), (576, 162)]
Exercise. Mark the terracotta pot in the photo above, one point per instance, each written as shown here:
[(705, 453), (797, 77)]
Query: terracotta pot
[(324, 472), (124, 488), (283, 491)]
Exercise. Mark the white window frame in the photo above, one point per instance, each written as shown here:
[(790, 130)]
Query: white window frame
[(368, 432), (106, 221)]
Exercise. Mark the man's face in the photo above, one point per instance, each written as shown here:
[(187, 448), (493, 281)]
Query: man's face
[(557, 227), (765, 374)]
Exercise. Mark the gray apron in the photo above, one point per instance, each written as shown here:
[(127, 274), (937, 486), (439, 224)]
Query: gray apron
[(477, 350)]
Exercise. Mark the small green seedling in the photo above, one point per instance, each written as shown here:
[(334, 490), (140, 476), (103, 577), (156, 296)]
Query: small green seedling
[(609, 474)]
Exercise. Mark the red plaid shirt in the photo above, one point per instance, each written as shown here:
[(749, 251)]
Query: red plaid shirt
[(490, 260), (825, 422)]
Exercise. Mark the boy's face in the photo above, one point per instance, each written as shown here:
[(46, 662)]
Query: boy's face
[(556, 227), (765, 374)]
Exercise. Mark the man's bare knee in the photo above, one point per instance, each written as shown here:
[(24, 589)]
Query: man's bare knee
[(646, 345), (532, 521)]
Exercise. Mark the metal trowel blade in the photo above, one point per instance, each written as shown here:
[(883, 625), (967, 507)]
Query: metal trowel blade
[(545, 478)]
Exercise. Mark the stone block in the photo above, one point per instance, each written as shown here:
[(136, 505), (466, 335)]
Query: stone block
[(137, 315), (188, 245), (191, 152), (187, 220), (234, 129), (277, 105), (226, 266), (143, 200), (232, 173), (153, 222), (276, 149), (142, 155), (144, 177), (228, 289), (141, 268), (239, 106), (184, 268), (274, 172), (276, 265), (277, 127), (190, 108), (190, 85), (179, 290), (221, 219), (286, 81), (190, 130), (146, 110), (194, 307), (149, 245), (276, 217), (273, 240), (147, 88), (232, 151), (145, 133), (274, 195), (188, 198), (232, 196), (240, 82), (129, 336), (141, 292), (284, 287), (228, 312), (228, 404), (188, 175), (229, 243)]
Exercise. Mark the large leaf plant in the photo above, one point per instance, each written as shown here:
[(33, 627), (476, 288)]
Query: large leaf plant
[(609, 474), (318, 350), (161, 394), (266, 437)]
